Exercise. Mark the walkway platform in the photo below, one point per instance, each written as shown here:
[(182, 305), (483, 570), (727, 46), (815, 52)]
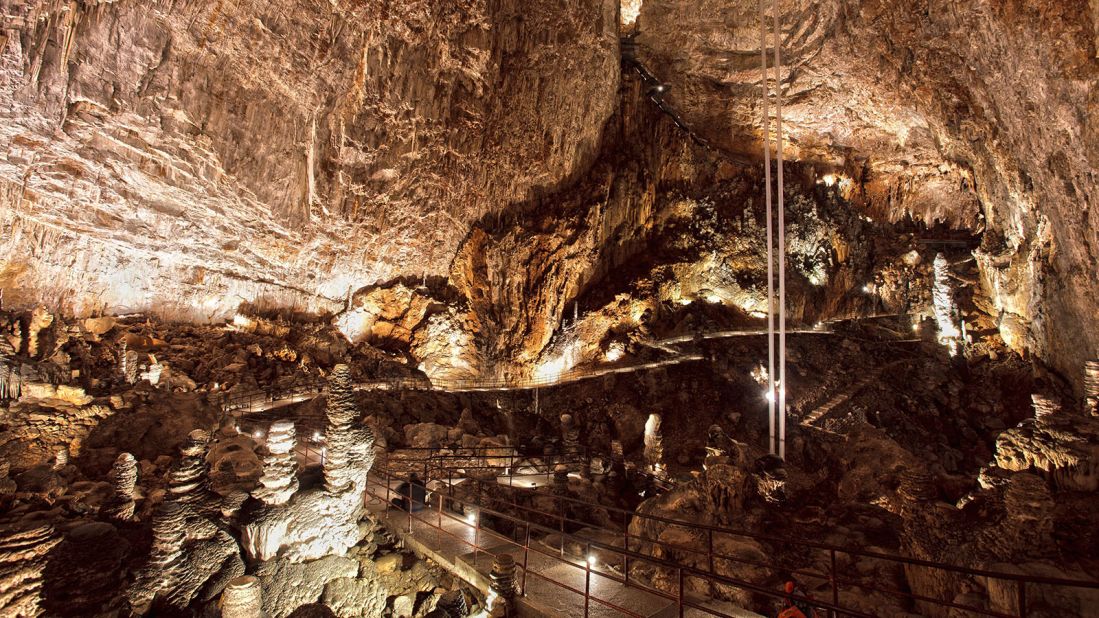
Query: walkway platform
[(554, 584)]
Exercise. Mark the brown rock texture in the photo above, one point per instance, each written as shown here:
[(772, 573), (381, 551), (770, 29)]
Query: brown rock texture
[(174, 156), (977, 114)]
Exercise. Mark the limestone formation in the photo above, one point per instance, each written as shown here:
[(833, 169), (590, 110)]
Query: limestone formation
[(943, 306), (163, 569), (502, 577), (1044, 407), (243, 598), (84, 573), (123, 483), (23, 557), (61, 458), (1063, 447), (1091, 388), (280, 466), (186, 481), (654, 444), (453, 602), (340, 412)]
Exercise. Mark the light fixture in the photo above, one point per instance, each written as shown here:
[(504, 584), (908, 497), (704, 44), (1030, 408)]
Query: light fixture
[(316, 436), (471, 517), (591, 560)]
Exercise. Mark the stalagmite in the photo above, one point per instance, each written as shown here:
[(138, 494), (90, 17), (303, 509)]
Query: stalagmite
[(341, 413), (1091, 387), (943, 305), (1044, 407), (161, 571), (123, 483), (242, 598), (654, 444), (61, 458), (185, 481), (502, 578), (279, 480), (23, 557)]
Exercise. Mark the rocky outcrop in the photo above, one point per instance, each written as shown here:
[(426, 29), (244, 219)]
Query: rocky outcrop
[(243, 598), (84, 574), (1063, 447)]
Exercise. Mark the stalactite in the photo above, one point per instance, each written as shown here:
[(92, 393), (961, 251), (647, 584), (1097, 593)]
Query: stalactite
[(341, 412), (123, 482), (279, 480)]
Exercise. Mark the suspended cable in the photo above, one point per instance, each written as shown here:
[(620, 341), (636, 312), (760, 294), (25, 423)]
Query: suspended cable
[(771, 442), (781, 239)]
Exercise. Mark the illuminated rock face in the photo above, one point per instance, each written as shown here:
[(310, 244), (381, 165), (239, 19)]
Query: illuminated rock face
[(23, 550), (279, 152)]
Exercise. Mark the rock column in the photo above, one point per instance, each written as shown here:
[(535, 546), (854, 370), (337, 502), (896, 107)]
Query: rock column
[(242, 598), (123, 481), (943, 305), (502, 578), (654, 444), (341, 413), (1044, 407), (161, 572), (1091, 388), (185, 482), (279, 480)]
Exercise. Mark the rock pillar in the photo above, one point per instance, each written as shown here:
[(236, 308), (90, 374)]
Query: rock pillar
[(279, 480), (123, 482), (242, 598), (341, 412), (654, 444)]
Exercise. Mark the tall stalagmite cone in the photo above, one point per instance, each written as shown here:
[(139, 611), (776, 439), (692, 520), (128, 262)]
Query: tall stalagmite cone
[(1091, 387), (24, 553), (242, 598), (185, 481), (341, 413), (123, 482), (654, 444), (279, 480)]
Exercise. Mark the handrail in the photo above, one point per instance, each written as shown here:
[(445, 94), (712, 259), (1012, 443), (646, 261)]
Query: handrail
[(626, 553), (1021, 580)]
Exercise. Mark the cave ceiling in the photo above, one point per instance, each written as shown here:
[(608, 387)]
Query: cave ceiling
[(183, 157)]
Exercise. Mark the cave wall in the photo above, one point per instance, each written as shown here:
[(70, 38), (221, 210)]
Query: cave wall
[(975, 114), (185, 156)]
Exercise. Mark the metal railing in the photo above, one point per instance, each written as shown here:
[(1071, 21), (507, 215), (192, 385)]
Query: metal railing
[(627, 555), (711, 558)]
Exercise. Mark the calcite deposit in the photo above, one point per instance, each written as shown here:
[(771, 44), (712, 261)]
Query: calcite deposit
[(249, 250)]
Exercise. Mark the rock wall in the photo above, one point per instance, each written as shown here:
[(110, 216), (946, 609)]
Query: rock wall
[(976, 114), (185, 156)]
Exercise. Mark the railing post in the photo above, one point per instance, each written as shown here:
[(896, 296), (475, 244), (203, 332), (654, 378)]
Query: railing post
[(526, 550), (1021, 586), (587, 580), (710, 554), (679, 598), (832, 581), (626, 546)]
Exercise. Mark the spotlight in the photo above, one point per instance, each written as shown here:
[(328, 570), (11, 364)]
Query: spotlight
[(257, 433), (769, 395), (316, 436), (471, 517), (591, 560), (866, 288)]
